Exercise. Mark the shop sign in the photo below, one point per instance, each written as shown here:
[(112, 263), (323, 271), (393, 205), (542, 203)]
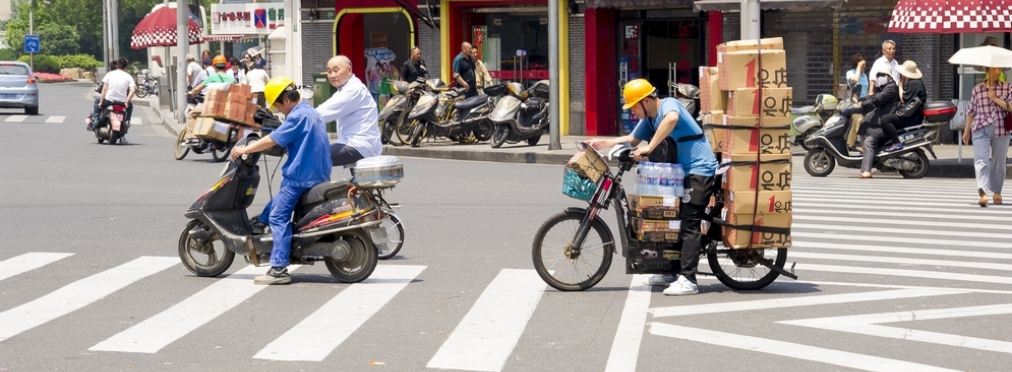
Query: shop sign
[(246, 19)]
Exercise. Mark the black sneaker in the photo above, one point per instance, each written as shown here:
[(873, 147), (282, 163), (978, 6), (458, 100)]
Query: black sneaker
[(259, 228), (274, 276)]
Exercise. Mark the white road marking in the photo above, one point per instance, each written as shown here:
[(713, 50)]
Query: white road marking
[(919, 232), (79, 294), (968, 243), (902, 260), (799, 245), (886, 202), (28, 262), (486, 336), (136, 121), (940, 275), (836, 210), (901, 222), (776, 303), (55, 119), (868, 325), (991, 213), (159, 331), (789, 349), (325, 329), (625, 349), (16, 118)]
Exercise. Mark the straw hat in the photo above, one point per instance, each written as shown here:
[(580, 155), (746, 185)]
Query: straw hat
[(990, 40), (909, 69)]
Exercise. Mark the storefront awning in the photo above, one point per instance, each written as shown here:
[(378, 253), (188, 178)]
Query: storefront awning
[(725, 5), (222, 37), (637, 3)]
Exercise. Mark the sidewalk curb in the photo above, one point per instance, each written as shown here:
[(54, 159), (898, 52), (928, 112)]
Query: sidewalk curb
[(529, 157), (161, 117)]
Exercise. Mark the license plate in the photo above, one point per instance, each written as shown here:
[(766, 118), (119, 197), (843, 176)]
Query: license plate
[(8, 96)]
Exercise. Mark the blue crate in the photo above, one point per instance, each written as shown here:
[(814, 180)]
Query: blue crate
[(576, 186)]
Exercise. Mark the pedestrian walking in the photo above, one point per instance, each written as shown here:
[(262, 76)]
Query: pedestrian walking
[(989, 104)]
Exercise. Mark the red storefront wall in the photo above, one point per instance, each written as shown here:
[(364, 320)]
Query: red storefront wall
[(351, 34)]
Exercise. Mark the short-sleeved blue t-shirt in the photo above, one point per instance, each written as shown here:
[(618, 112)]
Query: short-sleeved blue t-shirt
[(696, 156), (304, 136)]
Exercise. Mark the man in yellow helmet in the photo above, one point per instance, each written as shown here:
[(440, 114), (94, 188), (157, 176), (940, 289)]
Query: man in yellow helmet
[(672, 136), (304, 137)]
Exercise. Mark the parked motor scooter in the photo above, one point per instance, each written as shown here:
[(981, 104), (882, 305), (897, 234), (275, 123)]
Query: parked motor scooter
[(336, 222), (394, 115), (449, 115), (806, 120), (829, 144), (112, 124), (520, 115)]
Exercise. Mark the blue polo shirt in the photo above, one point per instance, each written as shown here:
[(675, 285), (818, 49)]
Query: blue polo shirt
[(696, 156), (304, 136)]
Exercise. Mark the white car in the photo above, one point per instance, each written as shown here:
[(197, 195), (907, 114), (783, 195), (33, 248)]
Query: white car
[(18, 88)]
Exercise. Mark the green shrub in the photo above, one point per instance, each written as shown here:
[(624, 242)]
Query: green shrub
[(8, 55), (44, 63), (82, 61)]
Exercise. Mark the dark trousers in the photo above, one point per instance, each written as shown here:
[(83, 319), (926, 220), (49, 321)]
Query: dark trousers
[(892, 122), (872, 138), (698, 189), (341, 155), (472, 89)]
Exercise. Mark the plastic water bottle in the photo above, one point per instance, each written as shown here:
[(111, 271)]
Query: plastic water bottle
[(641, 180), (678, 176), (655, 179), (666, 180)]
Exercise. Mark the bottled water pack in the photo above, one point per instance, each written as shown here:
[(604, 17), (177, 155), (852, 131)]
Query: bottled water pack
[(660, 179)]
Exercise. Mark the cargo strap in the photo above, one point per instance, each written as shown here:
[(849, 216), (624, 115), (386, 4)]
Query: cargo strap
[(736, 163), (690, 138), (744, 126), (753, 228)]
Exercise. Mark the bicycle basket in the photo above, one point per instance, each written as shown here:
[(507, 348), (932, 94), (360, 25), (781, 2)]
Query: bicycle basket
[(576, 186), (588, 163)]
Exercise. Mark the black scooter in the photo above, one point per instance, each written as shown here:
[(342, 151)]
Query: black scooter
[(520, 115), (829, 144), (112, 125), (334, 223)]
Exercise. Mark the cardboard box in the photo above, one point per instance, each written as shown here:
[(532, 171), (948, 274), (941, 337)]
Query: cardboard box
[(737, 45), (214, 102), (210, 129), (753, 140), (741, 69), (739, 238), (757, 122), (640, 202), (239, 92), (710, 97), (656, 231), (772, 172), (236, 110), (713, 128), (747, 102), (770, 202)]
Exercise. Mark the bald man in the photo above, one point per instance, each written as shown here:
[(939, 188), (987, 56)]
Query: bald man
[(354, 110), (463, 70)]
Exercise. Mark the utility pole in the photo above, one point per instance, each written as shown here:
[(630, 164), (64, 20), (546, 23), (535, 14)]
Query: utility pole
[(553, 76), (105, 35), (31, 31), (749, 25), (114, 27), (182, 41)]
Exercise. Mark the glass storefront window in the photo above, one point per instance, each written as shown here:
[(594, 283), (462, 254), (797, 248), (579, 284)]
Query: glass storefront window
[(505, 34), (970, 76)]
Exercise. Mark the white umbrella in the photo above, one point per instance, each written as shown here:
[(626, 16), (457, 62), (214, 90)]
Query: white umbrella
[(983, 56)]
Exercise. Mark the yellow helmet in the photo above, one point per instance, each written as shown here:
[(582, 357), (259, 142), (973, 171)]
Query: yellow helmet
[(274, 88), (636, 91)]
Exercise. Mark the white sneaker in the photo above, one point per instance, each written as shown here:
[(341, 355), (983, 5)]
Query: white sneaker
[(682, 286), (659, 280)]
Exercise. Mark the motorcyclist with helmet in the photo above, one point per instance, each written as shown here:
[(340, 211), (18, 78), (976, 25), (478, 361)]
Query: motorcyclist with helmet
[(303, 134), (221, 76), (672, 136)]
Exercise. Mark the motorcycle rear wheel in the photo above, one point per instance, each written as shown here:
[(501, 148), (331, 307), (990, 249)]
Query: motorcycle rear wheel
[(404, 129), (744, 259), (819, 163), (362, 259), (565, 259), (181, 150), (395, 234), (922, 169), (213, 264), (533, 141), (389, 127), (483, 132), (141, 92), (219, 153)]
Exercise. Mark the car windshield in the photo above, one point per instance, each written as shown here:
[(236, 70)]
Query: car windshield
[(13, 70)]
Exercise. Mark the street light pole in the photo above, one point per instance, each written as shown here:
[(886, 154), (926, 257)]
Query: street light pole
[(182, 41), (31, 31), (114, 28), (553, 76), (750, 14)]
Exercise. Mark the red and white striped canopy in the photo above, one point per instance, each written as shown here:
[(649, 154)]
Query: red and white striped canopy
[(159, 29), (951, 16)]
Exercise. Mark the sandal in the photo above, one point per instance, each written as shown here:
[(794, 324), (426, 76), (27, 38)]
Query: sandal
[(983, 198), (997, 198), (865, 175)]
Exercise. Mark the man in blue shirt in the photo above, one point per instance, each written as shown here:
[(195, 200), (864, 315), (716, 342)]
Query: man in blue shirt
[(663, 119), (463, 71), (304, 136)]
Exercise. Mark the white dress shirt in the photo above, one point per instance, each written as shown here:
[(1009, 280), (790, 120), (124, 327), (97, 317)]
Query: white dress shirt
[(354, 110)]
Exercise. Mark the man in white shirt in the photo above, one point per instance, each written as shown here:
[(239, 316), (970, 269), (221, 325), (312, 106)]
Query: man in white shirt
[(354, 110), (883, 62), (118, 87), (193, 70), (257, 79)]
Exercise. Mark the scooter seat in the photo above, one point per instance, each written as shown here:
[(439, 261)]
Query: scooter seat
[(803, 110), (324, 191), (471, 103)]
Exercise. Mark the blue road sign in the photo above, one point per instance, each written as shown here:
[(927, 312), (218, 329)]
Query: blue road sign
[(31, 43)]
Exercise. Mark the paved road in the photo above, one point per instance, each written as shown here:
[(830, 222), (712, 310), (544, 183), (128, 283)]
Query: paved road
[(895, 275)]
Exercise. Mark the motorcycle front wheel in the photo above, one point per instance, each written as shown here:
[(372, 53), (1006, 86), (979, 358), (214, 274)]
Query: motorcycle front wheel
[(141, 91), (360, 262), (819, 163), (483, 132), (740, 269), (499, 136), (804, 136), (569, 268), (203, 258), (219, 153)]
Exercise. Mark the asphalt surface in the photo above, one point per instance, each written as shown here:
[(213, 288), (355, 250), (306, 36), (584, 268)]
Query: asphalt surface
[(917, 271)]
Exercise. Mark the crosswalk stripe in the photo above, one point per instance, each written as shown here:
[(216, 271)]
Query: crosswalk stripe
[(325, 329), (868, 229), (79, 294), (969, 243), (809, 212), (901, 250), (777, 303), (55, 119), (965, 186), (900, 222), (136, 121), (28, 262), (875, 202), (625, 349), (16, 118), (902, 261), (789, 349), (907, 273), (898, 195), (486, 336), (830, 207), (159, 331)]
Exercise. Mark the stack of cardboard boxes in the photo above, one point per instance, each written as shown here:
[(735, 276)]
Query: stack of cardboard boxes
[(746, 105), (232, 103)]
